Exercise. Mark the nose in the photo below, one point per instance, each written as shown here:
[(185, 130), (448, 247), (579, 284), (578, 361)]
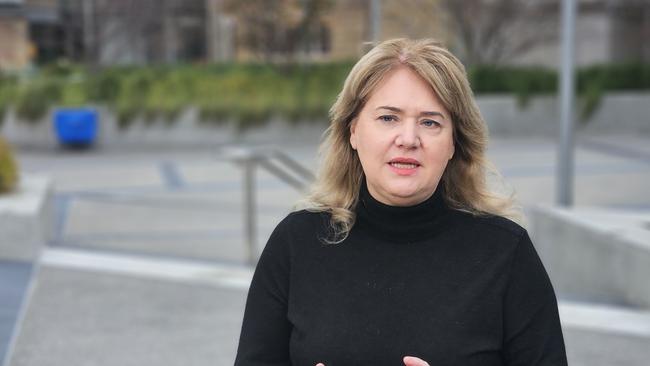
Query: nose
[(407, 136)]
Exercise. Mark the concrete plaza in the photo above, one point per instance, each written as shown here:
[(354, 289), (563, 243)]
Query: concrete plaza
[(148, 263)]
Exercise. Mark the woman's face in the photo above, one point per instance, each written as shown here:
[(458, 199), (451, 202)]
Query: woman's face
[(403, 136)]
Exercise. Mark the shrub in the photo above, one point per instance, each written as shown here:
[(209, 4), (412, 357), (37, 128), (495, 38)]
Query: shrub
[(622, 76), (105, 86), (34, 99), (250, 94), (8, 168), (593, 81), (7, 91), (523, 82), (73, 94), (134, 91)]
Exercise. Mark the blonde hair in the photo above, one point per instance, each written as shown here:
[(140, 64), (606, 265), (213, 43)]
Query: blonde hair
[(336, 189)]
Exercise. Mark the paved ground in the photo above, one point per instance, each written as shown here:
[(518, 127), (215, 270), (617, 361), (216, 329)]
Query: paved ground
[(148, 264), (14, 278)]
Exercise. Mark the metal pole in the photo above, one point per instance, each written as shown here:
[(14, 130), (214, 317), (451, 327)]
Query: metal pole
[(249, 206), (375, 20), (567, 97), (88, 8)]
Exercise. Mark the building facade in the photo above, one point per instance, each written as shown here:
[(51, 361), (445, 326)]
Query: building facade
[(28, 30), (108, 32), (606, 31)]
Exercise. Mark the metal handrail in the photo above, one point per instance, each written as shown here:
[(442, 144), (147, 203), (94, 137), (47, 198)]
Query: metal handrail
[(286, 169)]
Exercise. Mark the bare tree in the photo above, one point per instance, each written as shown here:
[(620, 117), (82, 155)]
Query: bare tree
[(493, 31), (275, 28), (140, 31), (413, 18), (631, 29)]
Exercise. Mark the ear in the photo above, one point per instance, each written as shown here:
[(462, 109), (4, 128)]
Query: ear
[(453, 144), (353, 134)]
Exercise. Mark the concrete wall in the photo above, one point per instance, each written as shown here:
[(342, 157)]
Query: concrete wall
[(187, 131), (618, 113)]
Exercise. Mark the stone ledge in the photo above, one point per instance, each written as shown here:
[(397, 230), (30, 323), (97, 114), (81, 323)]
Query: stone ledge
[(606, 319), (594, 254), (26, 219)]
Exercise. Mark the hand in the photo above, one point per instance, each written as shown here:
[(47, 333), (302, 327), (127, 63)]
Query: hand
[(413, 361), (408, 361)]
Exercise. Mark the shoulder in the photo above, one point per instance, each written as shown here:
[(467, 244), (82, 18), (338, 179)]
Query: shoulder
[(303, 224), (498, 235), (486, 224), (502, 223), (295, 227), (297, 220)]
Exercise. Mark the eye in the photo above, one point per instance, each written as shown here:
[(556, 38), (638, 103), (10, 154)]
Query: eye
[(387, 118), (430, 123)]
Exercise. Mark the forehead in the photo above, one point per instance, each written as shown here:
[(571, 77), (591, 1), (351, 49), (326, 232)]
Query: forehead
[(404, 88)]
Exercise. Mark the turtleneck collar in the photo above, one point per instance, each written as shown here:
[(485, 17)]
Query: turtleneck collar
[(401, 224)]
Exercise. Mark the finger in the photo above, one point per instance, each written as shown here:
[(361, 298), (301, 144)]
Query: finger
[(320, 364), (414, 361)]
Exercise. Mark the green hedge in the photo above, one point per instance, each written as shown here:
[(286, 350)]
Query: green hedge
[(250, 94), (8, 168), (592, 82)]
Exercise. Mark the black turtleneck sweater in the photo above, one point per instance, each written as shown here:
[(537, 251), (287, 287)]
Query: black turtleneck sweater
[(424, 281)]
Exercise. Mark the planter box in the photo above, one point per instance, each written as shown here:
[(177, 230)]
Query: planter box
[(501, 112), (75, 126), (26, 219)]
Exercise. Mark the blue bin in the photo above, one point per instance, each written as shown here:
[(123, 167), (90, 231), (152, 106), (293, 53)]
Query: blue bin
[(76, 126)]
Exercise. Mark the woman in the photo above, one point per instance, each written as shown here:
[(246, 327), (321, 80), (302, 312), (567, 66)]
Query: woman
[(403, 256)]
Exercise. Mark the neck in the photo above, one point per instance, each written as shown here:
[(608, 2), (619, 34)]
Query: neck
[(401, 224), (395, 200)]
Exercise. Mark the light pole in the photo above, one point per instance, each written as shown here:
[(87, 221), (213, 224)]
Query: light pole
[(567, 99), (375, 21)]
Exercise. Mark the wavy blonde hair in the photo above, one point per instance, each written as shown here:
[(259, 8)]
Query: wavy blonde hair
[(336, 189)]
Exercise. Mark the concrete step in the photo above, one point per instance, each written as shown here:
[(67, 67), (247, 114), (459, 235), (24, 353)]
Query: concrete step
[(99, 308)]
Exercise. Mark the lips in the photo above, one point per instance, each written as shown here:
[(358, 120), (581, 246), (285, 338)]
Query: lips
[(404, 163)]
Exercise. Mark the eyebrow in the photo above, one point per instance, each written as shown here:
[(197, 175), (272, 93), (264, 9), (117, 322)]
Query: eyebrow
[(424, 113)]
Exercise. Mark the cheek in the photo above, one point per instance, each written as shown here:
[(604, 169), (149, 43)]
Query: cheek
[(444, 143), (366, 156), (449, 147), (373, 148), (371, 155), (439, 152)]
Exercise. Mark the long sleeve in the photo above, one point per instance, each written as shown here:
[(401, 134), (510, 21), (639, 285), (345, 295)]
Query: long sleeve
[(265, 332), (532, 330)]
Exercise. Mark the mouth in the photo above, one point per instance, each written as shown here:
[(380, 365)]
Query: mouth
[(404, 166), (404, 163)]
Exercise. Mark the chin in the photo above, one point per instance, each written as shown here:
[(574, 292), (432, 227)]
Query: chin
[(403, 189), (405, 195)]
